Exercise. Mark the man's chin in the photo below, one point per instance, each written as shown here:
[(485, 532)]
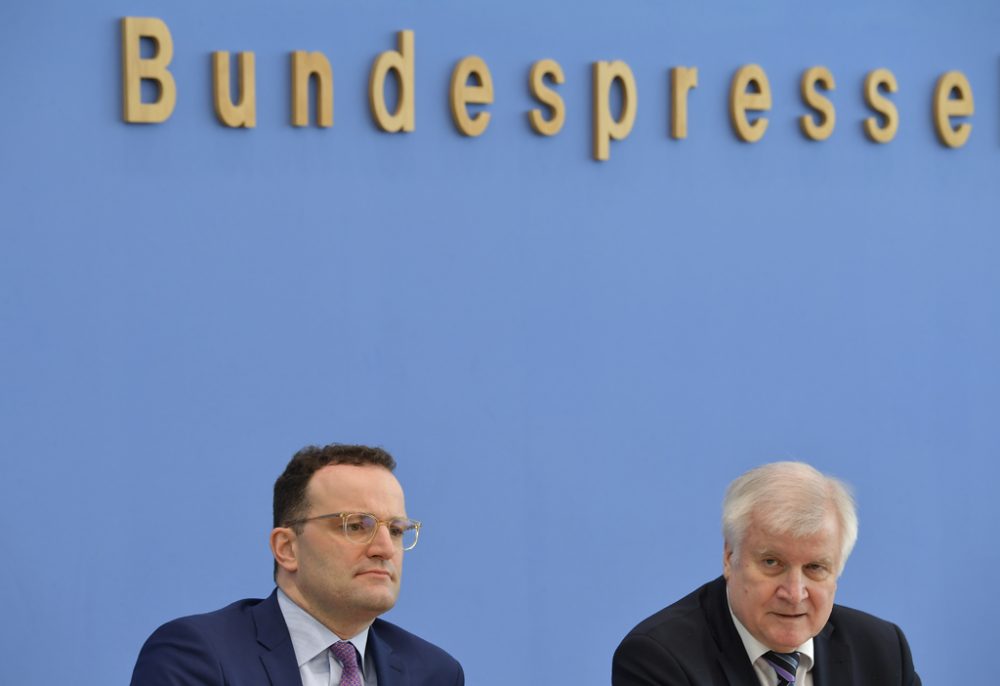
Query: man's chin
[(786, 643), (380, 601)]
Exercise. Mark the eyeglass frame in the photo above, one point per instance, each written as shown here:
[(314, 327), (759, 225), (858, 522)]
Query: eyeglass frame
[(378, 522)]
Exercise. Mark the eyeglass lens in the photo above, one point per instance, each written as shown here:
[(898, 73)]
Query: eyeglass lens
[(361, 528)]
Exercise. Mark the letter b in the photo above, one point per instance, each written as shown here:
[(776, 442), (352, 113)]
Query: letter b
[(135, 69)]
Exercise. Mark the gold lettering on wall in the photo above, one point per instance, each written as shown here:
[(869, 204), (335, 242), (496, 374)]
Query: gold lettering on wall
[(463, 94), (149, 94), (876, 80), (399, 61), (682, 80), (606, 127), (953, 98), (305, 66), (541, 70), (818, 127), (135, 70), (742, 101), (244, 111)]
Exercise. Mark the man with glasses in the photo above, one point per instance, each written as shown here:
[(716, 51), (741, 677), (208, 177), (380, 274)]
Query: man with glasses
[(340, 531)]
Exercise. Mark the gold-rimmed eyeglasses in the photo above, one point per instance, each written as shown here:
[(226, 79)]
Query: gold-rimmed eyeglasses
[(361, 527)]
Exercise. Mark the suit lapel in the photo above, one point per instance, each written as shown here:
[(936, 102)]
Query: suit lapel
[(389, 667), (733, 658), (735, 669), (276, 651), (833, 658)]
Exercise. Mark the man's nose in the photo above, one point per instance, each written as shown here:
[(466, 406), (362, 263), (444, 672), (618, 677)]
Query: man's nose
[(382, 545), (793, 587)]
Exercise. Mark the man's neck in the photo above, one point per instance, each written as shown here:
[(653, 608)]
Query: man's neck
[(344, 627)]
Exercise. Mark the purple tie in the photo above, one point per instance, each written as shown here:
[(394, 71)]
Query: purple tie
[(785, 665), (347, 656)]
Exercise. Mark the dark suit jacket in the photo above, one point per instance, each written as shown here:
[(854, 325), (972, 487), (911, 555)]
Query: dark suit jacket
[(247, 644), (694, 641)]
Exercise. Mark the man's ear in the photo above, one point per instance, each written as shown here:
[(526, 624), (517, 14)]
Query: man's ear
[(284, 547), (727, 560)]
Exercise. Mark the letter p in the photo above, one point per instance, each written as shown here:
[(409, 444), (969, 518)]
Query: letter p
[(606, 127)]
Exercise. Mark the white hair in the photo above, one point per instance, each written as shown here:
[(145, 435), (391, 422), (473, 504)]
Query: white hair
[(788, 498)]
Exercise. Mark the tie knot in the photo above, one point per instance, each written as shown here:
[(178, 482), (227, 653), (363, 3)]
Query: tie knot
[(347, 656), (784, 665)]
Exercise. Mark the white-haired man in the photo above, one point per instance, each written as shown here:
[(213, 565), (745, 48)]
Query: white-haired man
[(770, 620)]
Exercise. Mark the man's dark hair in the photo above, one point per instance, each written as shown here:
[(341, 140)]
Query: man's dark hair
[(290, 501)]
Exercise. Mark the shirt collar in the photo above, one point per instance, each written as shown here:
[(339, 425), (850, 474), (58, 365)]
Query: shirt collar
[(309, 636), (755, 649)]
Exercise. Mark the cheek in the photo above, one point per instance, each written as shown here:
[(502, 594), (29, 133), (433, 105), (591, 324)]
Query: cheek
[(763, 595), (337, 558), (823, 598), (749, 595)]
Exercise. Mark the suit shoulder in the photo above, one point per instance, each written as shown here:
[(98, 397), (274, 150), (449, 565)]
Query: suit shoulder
[(185, 650), (682, 618), (878, 646), (217, 648), (192, 649), (856, 622), (225, 620), (404, 641), (674, 646)]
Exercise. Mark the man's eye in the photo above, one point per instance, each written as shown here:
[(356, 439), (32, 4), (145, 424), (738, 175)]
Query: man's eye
[(360, 525), (817, 571), (396, 531)]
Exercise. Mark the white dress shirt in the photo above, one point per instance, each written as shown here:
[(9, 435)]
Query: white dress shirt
[(311, 641), (765, 672)]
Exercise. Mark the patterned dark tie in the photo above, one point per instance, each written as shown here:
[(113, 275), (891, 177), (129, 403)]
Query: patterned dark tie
[(347, 656), (784, 665)]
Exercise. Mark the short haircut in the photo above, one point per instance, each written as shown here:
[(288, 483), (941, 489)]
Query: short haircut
[(788, 498), (290, 501)]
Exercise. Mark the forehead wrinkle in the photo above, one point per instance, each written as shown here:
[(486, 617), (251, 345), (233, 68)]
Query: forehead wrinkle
[(773, 544)]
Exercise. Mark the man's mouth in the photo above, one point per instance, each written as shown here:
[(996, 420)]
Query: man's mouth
[(375, 572)]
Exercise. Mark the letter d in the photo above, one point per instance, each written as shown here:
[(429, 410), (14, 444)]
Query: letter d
[(400, 61)]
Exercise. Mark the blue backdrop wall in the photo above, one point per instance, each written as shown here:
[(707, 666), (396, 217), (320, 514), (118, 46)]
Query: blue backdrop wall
[(569, 358)]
